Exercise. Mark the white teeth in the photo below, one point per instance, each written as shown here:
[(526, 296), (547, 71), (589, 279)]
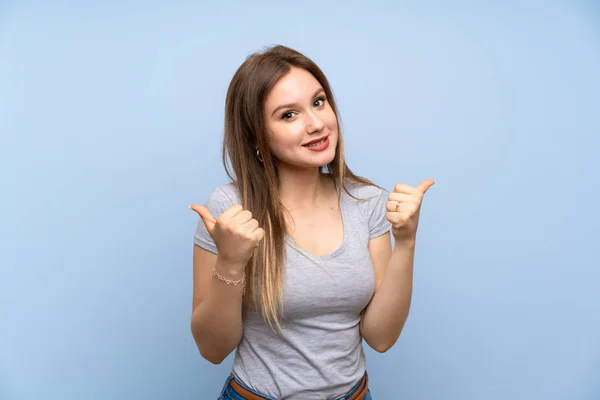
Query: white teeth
[(316, 144)]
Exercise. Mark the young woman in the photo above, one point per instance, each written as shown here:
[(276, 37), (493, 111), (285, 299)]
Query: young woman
[(293, 263)]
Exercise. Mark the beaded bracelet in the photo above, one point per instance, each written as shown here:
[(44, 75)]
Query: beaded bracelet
[(229, 281)]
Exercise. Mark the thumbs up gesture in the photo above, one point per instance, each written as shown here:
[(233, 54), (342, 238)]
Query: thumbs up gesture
[(404, 207), (235, 233)]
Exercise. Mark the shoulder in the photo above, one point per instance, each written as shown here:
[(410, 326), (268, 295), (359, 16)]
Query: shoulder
[(363, 191), (222, 197), (371, 201), (226, 192)]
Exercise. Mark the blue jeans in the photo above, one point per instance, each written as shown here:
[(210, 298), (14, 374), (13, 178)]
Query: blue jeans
[(229, 394)]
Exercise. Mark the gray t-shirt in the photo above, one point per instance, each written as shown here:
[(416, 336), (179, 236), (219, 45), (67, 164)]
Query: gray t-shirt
[(320, 353)]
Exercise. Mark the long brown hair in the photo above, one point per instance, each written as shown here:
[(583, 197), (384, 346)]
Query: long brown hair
[(257, 178)]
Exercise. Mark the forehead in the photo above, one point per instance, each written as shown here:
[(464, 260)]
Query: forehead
[(295, 86)]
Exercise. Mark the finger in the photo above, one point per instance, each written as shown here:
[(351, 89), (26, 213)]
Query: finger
[(232, 211), (242, 217), (403, 188), (396, 219), (250, 226), (397, 207), (258, 234), (402, 197), (206, 216), (393, 206), (425, 185)]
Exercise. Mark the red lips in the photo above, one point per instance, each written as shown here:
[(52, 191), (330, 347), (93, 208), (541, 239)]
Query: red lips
[(314, 141)]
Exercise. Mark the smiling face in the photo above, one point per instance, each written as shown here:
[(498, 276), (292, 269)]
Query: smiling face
[(297, 113)]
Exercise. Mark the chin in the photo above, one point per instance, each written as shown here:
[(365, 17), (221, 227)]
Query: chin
[(314, 162), (323, 160)]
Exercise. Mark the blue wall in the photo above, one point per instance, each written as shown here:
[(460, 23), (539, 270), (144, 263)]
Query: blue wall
[(110, 120)]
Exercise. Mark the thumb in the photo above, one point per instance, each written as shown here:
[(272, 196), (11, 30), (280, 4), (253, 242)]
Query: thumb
[(425, 185), (206, 216)]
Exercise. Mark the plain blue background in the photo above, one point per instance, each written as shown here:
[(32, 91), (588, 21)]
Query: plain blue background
[(111, 121)]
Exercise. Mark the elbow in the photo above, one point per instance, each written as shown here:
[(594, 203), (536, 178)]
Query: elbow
[(211, 357), (381, 348), (214, 346), (212, 352), (378, 346), (209, 351)]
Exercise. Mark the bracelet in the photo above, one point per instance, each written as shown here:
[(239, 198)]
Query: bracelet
[(229, 281)]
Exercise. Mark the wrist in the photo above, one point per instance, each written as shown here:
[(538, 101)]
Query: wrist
[(404, 243), (231, 269)]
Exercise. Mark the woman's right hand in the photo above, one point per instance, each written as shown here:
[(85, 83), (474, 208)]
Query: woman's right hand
[(235, 233)]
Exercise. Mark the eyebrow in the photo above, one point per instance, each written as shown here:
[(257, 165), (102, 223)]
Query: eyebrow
[(319, 90)]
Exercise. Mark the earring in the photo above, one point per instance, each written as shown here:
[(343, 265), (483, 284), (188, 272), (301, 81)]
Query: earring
[(258, 155)]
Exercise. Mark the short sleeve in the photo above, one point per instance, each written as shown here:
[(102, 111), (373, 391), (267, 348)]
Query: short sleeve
[(217, 203), (378, 224)]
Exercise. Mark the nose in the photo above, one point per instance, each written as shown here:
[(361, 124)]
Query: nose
[(314, 123)]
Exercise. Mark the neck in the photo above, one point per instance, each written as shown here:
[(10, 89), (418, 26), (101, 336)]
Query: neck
[(302, 188)]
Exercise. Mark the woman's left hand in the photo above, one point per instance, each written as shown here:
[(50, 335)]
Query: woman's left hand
[(404, 207)]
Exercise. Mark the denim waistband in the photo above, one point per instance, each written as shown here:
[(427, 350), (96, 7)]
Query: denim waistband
[(232, 393)]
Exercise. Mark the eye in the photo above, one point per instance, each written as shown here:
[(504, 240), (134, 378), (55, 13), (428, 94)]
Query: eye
[(287, 115), (319, 102)]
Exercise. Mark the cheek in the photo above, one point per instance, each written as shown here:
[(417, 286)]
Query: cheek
[(285, 137), (331, 120)]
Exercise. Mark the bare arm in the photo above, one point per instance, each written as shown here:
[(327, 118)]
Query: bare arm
[(383, 319), (217, 307)]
